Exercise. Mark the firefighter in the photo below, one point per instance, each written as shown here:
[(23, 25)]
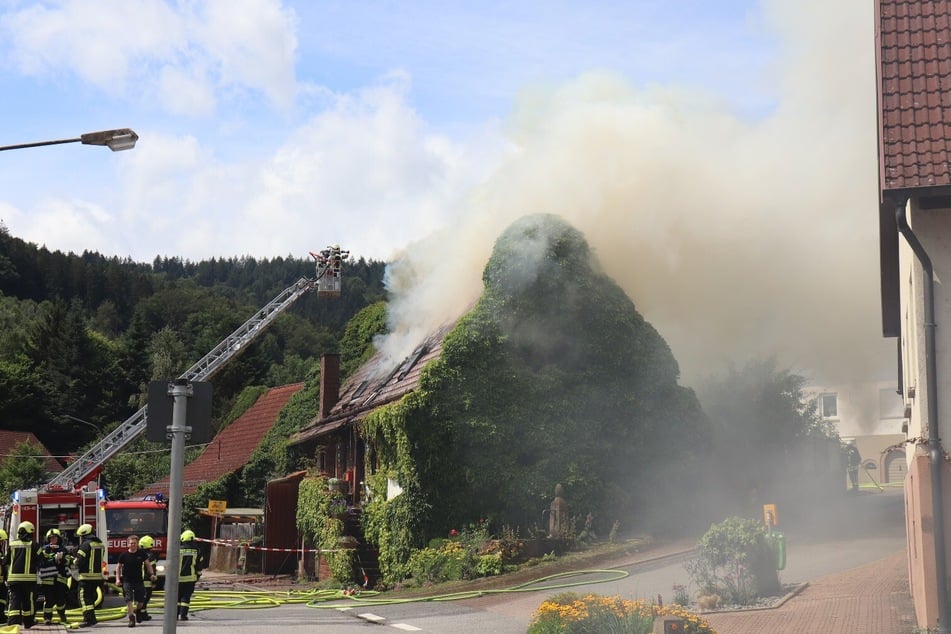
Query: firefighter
[(4, 565), (89, 560), (53, 573), (191, 565), (25, 557), (145, 545)]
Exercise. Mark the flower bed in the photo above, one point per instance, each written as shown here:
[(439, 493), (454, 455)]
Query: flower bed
[(570, 613)]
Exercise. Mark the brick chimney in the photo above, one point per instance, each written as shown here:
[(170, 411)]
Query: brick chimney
[(329, 383)]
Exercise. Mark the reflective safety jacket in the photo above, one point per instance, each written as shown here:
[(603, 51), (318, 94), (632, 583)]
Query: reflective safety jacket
[(25, 557), (192, 562), (52, 570), (89, 558)]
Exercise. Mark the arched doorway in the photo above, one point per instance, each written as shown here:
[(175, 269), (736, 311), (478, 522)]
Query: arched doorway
[(894, 465)]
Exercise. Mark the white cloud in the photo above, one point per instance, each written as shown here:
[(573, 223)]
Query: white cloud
[(70, 225), (185, 91), (366, 172), (151, 49), (255, 44)]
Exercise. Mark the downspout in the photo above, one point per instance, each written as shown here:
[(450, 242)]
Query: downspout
[(934, 440)]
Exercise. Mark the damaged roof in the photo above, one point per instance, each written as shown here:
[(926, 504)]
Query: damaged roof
[(233, 446), (375, 384)]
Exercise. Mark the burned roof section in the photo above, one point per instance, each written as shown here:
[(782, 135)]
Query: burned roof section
[(375, 384)]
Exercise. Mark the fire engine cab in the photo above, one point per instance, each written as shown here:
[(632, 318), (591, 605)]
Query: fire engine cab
[(146, 516)]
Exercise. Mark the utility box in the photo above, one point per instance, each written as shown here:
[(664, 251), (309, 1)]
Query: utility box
[(777, 541), (668, 625)]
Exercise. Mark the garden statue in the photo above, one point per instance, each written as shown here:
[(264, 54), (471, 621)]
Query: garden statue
[(557, 515)]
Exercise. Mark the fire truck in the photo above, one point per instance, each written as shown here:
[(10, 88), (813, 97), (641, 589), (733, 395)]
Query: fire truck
[(65, 510), (73, 497), (146, 516)]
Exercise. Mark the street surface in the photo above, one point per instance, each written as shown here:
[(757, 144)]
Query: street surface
[(859, 530)]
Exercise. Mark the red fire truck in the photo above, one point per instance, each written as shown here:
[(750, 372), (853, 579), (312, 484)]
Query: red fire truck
[(146, 516), (62, 509)]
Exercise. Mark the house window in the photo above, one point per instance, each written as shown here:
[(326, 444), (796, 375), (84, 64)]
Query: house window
[(890, 404), (828, 406)]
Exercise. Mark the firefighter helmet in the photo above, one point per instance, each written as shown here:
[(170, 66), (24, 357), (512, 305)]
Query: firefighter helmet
[(188, 535), (26, 527), (146, 541), (84, 529), (53, 531), (3, 534)]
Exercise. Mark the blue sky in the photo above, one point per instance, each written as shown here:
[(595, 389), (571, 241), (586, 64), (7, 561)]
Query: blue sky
[(699, 146), (225, 86)]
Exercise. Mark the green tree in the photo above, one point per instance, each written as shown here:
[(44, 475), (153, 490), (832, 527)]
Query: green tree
[(23, 468)]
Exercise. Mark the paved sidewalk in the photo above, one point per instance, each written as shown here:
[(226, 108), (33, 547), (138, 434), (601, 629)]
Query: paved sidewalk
[(871, 599)]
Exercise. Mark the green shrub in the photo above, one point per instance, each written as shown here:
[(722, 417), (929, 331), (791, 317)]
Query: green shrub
[(451, 562), (736, 561), (489, 565)]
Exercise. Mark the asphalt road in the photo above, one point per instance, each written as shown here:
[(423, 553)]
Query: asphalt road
[(857, 530)]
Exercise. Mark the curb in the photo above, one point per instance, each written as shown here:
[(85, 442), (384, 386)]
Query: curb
[(779, 603)]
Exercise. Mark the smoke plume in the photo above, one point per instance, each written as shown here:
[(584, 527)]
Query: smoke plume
[(735, 237)]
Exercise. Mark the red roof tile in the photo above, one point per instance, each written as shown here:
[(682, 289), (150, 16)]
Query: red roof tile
[(10, 439), (232, 447), (914, 75)]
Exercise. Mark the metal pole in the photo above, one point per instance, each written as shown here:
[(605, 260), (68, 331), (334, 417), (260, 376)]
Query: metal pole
[(21, 146), (180, 391)]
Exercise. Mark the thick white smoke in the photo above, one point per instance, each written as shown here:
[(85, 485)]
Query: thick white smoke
[(735, 238)]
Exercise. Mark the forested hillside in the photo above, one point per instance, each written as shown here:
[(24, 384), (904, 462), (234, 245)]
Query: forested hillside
[(82, 335)]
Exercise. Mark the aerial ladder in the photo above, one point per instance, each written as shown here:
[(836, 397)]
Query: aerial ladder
[(326, 282)]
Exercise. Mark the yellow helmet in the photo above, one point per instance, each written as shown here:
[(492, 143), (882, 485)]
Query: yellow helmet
[(53, 531), (3, 534), (84, 529), (146, 541), (26, 527), (188, 535)]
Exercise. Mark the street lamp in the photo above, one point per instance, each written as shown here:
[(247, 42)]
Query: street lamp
[(84, 422), (115, 140)]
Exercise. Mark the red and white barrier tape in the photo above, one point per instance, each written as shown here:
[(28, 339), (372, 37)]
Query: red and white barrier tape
[(232, 544)]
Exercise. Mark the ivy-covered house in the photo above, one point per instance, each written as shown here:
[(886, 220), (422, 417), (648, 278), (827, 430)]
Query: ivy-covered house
[(553, 377), (332, 440)]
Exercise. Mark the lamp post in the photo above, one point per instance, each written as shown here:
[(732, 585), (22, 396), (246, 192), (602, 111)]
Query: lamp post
[(115, 140), (84, 422)]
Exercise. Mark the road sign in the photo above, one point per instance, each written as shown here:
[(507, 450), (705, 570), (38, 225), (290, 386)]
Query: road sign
[(197, 414)]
